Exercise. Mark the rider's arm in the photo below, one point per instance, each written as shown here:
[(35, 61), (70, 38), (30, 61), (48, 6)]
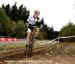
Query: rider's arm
[(28, 20), (38, 23)]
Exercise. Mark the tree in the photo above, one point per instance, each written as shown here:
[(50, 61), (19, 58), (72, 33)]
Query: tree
[(25, 14), (45, 31), (7, 10), (3, 6), (1, 28), (42, 21), (50, 33), (56, 34), (12, 29), (19, 12), (68, 30), (21, 29), (5, 22), (14, 12)]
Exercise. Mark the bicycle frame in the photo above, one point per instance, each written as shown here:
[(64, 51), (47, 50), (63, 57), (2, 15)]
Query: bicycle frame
[(31, 42)]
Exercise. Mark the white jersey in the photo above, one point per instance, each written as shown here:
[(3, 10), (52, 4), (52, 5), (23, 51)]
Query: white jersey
[(32, 21)]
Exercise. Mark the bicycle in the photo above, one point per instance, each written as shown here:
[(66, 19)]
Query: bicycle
[(31, 42)]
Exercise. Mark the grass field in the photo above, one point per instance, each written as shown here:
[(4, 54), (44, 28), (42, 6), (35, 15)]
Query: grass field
[(9, 45), (20, 44), (64, 53)]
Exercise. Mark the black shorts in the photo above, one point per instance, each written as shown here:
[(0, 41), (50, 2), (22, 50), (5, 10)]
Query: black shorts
[(30, 27)]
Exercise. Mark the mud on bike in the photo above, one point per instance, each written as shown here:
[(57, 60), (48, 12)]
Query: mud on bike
[(29, 47)]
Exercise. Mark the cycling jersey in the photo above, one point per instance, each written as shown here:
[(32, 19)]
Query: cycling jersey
[(31, 21)]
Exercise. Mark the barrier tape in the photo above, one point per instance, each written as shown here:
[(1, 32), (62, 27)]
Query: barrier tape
[(8, 39)]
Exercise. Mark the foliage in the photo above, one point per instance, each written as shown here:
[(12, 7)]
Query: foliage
[(21, 29), (4, 22), (13, 19), (68, 30), (16, 13)]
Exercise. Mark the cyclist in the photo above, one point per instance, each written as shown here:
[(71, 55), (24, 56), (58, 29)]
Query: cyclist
[(33, 21)]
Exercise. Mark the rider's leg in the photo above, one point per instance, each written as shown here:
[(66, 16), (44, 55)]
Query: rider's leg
[(37, 32), (28, 35)]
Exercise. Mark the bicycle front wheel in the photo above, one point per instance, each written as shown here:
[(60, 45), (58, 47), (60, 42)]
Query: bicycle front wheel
[(30, 46)]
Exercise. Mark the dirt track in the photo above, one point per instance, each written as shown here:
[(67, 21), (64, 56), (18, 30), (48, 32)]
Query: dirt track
[(62, 54)]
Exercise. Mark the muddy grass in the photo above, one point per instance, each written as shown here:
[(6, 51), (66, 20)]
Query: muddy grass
[(63, 53)]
